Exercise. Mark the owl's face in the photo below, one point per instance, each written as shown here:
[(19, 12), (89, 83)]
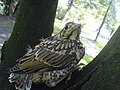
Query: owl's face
[(71, 31)]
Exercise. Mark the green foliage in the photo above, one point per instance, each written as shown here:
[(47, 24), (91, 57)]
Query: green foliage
[(88, 58), (104, 2), (57, 26), (99, 44), (111, 20), (8, 6), (61, 10)]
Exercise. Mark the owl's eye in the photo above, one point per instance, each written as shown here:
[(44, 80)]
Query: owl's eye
[(66, 27)]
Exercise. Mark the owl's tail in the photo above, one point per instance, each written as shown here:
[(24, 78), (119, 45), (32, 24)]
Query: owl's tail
[(23, 82)]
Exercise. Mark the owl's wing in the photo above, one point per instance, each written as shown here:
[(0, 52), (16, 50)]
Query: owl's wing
[(43, 60)]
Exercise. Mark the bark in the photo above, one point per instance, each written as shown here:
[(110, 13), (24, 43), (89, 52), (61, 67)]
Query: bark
[(34, 21), (103, 21), (16, 9)]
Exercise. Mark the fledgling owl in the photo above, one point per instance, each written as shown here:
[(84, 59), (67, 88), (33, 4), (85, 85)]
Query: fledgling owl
[(51, 60)]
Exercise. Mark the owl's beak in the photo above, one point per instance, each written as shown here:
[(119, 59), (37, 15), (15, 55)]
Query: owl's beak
[(77, 28)]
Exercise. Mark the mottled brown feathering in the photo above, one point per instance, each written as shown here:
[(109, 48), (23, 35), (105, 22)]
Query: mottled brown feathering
[(51, 60)]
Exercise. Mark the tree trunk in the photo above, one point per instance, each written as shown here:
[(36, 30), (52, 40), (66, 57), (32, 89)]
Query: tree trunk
[(16, 9), (103, 21), (70, 3), (35, 20)]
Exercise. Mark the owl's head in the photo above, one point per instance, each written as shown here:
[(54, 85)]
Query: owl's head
[(71, 31)]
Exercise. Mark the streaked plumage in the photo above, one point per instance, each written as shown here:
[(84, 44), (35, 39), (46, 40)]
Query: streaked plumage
[(51, 60)]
